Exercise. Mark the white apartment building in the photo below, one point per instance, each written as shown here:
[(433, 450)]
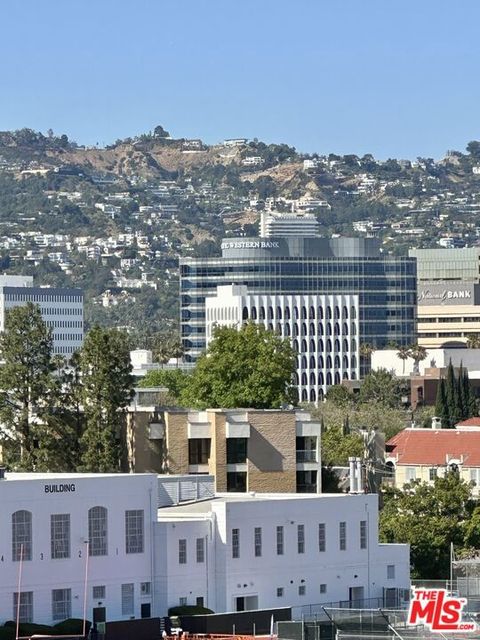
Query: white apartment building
[(104, 535), (241, 552), (323, 331), (62, 310), (277, 224)]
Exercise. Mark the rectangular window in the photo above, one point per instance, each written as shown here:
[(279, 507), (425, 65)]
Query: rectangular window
[(128, 601), (182, 551), (60, 535), (363, 534), (322, 537), (26, 606), (258, 541), (342, 536), (200, 550), (198, 450), (236, 450), (390, 572), (134, 531), (410, 473), (145, 588), (279, 541), (236, 481), (301, 538), (182, 602), (61, 604), (200, 601), (302, 590), (432, 473), (279, 592), (323, 588), (99, 593), (235, 543)]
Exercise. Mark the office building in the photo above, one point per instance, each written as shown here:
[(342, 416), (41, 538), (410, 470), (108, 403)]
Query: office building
[(277, 224), (228, 552), (61, 309), (322, 329), (448, 296), (306, 266), (245, 450)]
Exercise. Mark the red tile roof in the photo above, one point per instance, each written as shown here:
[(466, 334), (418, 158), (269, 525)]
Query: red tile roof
[(471, 422), (431, 446)]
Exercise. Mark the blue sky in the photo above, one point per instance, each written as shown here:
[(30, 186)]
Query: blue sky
[(396, 79)]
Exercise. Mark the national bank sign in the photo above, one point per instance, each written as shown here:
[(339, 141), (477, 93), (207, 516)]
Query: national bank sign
[(447, 294)]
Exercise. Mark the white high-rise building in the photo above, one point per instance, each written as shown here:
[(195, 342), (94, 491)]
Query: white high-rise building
[(278, 224), (323, 331), (62, 310)]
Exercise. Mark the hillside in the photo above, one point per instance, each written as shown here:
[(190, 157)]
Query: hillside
[(114, 220)]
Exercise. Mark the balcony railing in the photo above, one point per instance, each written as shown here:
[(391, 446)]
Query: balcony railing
[(308, 455)]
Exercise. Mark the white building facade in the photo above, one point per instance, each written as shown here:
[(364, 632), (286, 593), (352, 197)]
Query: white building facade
[(62, 310), (237, 553), (323, 331), (276, 223), (48, 519)]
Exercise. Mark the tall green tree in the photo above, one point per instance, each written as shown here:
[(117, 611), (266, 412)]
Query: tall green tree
[(28, 388), (107, 389), (441, 404), (451, 391), (250, 367)]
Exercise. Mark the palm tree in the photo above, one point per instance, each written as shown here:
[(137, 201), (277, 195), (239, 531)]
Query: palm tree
[(417, 353), (473, 341), (404, 354)]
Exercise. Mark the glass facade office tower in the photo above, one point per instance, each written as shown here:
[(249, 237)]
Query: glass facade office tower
[(385, 285)]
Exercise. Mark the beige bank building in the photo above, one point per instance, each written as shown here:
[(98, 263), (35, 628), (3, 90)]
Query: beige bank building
[(246, 450)]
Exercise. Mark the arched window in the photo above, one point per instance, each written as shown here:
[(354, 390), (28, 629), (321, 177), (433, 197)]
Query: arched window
[(313, 395), (287, 329), (312, 378), (345, 328), (329, 329), (295, 313), (312, 328), (354, 344), (304, 329), (304, 345), (345, 344), (320, 345), (337, 345), (353, 312), (295, 378), (245, 313), (329, 313), (312, 344), (329, 346), (262, 313), (295, 345), (287, 313), (320, 362), (304, 378), (321, 378), (320, 395), (337, 313), (354, 375), (304, 395), (21, 535), (345, 375), (312, 313), (304, 362), (345, 312), (353, 329), (320, 329), (337, 378), (304, 313), (312, 362), (329, 362), (270, 326), (253, 313), (270, 313), (279, 329), (320, 313), (295, 328), (337, 328), (345, 362), (98, 531), (337, 362), (329, 379), (353, 361), (279, 313)]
